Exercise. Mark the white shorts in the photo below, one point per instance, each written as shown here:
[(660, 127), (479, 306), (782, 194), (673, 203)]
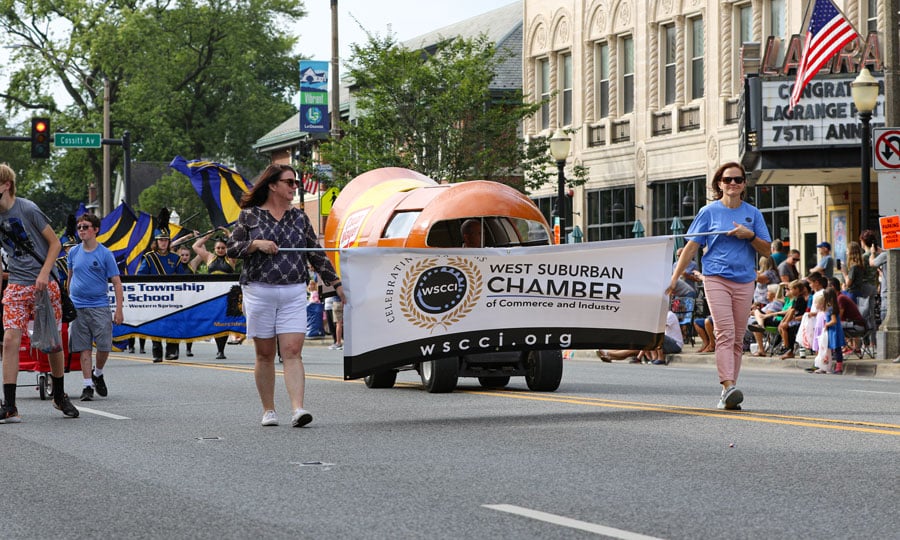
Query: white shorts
[(272, 310)]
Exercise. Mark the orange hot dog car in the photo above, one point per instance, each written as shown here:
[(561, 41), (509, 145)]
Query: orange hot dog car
[(396, 207)]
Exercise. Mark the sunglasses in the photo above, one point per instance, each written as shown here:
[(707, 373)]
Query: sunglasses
[(84, 227), (733, 179), (290, 181)]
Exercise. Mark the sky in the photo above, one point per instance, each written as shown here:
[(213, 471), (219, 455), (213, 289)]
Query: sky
[(404, 18)]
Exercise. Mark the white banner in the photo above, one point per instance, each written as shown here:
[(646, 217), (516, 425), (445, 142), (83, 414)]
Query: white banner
[(411, 305)]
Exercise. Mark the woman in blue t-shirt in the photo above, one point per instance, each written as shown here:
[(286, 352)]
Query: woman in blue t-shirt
[(739, 236)]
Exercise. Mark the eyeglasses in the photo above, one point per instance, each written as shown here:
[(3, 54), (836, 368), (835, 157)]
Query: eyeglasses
[(736, 179), (84, 227), (290, 181)]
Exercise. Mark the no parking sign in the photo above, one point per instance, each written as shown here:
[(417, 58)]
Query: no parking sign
[(890, 232)]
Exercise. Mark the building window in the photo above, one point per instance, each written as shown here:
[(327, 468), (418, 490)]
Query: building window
[(610, 214), (696, 48), (744, 34), (745, 25), (544, 91), (547, 206), (671, 57), (871, 17), (777, 26), (566, 90), (602, 70), (681, 198), (627, 75), (773, 203)]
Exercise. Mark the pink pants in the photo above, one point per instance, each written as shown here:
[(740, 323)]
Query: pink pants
[(729, 305)]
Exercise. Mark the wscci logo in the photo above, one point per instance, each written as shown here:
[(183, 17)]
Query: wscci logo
[(435, 294), (440, 289)]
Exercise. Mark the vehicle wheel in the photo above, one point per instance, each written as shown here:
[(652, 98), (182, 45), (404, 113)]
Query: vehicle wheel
[(43, 386), (439, 376), (543, 370), (48, 381), (382, 379), (494, 382)]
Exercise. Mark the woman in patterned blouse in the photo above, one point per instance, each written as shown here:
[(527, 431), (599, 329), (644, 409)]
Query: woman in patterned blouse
[(274, 283)]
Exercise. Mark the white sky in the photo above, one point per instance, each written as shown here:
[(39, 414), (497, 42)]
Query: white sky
[(406, 19)]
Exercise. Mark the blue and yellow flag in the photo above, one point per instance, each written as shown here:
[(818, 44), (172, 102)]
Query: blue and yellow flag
[(219, 187), (128, 236)]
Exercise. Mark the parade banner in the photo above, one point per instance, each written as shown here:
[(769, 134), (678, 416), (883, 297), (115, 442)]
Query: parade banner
[(179, 307), (411, 305)]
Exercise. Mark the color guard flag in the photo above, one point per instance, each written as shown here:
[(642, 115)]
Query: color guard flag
[(828, 32), (219, 187)]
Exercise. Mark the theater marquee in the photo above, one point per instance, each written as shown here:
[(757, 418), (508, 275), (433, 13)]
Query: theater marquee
[(825, 117)]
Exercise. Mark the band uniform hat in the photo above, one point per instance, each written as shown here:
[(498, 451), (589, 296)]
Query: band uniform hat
[(68, 241), (824, 245), (161, 233)]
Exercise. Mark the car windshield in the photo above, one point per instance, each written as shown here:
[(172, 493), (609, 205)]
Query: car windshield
[(497, 231)]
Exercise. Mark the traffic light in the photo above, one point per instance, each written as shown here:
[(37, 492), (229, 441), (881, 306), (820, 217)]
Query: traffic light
[(40, 138)]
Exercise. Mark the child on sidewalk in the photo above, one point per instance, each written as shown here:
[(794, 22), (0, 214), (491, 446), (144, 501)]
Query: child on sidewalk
[(835, 330), (818, 341)]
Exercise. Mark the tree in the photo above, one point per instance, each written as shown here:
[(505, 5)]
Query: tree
[(432, 111), (198, 79), (175, 192)]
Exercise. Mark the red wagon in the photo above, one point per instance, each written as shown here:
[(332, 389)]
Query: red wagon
[(31, 359)]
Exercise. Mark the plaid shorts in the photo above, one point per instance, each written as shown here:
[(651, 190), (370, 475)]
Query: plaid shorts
[(18, 305)]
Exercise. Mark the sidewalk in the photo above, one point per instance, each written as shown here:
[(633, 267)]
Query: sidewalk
[(852, 365)]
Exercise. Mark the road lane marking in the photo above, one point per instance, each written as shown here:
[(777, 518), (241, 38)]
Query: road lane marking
[(747, 416), (102, 413), (568, 522), (877, 392)]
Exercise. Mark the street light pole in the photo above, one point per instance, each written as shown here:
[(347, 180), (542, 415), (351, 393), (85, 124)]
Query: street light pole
[(864, 90), (866, 178), (560, 203), (560, 143)]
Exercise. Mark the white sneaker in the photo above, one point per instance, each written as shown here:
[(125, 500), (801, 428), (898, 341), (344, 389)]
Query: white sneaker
[(300, 418), (334, 347), (731, 399), (270, 419)]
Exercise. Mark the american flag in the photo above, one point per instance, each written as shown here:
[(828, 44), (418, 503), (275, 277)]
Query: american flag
[(310, 183), (828, 32)]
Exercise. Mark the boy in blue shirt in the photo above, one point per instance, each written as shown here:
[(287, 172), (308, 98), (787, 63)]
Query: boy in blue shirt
[(91, 267)]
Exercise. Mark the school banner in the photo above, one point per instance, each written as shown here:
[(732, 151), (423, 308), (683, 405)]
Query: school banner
[(410, 305), (179, 307)]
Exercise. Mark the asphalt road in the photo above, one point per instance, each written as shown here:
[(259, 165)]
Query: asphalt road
[(619, 451)]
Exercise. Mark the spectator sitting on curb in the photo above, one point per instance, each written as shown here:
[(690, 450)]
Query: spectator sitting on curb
[(673, 341)]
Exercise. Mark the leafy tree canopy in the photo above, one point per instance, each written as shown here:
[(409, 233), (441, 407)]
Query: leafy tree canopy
[(434, 112), (175, 192), (199, 78)]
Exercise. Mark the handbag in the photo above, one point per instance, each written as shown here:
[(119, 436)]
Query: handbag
[(69, 312)]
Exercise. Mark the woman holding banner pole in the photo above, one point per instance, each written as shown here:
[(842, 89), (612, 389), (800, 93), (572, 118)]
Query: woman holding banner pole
[(734, 234), (274, 283)]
